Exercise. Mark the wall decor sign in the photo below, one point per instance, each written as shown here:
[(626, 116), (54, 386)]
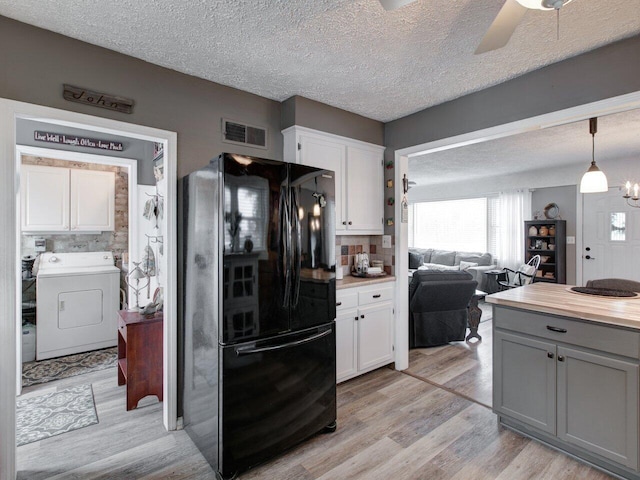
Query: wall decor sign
[(75, 141), (97, 99)]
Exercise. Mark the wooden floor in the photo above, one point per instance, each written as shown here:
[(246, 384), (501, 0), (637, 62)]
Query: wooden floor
[(391, 425)]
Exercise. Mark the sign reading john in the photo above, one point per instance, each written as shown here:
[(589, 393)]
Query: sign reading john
[(97, 99)]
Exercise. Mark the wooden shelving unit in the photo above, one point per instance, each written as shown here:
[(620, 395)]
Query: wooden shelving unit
[(551, 245)]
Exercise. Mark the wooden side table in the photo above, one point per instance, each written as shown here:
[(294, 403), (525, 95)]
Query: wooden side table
[(140, 355)]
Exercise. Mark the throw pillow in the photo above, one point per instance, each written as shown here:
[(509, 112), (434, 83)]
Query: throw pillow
[(415, 260), (466, 265)]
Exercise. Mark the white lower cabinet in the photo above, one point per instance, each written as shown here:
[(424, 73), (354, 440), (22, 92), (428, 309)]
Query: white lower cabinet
[(364, 329)]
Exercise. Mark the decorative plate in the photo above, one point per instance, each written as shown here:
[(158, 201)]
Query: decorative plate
[(552, 211)]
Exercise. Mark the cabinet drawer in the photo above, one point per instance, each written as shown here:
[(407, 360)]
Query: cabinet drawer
[(346, 299), (371, 295), (561, 329)]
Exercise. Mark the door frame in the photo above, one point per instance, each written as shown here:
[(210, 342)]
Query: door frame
[(70, 156), (10, 111), (608, 106)]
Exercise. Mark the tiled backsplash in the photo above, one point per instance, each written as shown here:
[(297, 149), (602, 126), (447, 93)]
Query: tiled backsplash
[(347, 246)]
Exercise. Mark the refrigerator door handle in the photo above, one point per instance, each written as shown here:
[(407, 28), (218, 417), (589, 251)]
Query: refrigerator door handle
[(297, 254), (285, 246), (251, 350)]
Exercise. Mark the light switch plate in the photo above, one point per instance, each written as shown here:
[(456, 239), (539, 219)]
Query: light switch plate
[(386, 241), (571, 240)]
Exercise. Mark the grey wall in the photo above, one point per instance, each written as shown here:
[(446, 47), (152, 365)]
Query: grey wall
[(311, 114), (603, 73), (134, 149), (36, 63), (565, 197)]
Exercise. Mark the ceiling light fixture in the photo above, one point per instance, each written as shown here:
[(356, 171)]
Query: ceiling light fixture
[(543, 4), (632, 198), (594, 180)]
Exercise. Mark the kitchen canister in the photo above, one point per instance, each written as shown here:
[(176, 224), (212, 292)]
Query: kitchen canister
[(544, 231), (533, 231), (552, 231)]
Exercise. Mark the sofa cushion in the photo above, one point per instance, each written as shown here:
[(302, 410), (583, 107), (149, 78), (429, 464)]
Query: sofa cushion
[(415, 260), (466, 265), (443, 257), (482, 259), (425, 252)]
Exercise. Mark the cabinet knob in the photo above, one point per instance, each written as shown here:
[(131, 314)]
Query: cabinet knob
[(378, 295), (356, 318), (350, 223), (549, 354), (338, 304), (344, 223), (561, 358), (361, 316)]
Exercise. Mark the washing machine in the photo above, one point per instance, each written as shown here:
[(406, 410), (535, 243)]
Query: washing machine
[(76, 303)]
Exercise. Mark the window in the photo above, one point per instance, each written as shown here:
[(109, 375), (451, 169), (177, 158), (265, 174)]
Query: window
[(464, 225), (250, 199), (618, 227)]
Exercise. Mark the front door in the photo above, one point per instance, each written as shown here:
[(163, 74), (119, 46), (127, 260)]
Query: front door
[(611, 237)]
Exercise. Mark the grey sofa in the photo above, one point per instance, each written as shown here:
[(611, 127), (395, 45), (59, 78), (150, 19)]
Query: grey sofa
[(430, 259), (438, 302)]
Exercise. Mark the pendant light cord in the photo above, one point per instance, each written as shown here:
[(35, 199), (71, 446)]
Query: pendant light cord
[(593, 129)]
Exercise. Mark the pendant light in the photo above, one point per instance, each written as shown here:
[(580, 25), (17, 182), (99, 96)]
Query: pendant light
[(594, 180)]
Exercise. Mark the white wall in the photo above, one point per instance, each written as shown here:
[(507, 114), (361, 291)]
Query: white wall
[(617, 171)]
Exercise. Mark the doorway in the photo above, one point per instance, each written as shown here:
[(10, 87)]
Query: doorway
[(115, 210), (401, 161), (610, 237), (10, 271)]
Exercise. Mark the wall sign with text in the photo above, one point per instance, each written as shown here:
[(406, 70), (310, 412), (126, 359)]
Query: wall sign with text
[(75, 141), (97, 99)]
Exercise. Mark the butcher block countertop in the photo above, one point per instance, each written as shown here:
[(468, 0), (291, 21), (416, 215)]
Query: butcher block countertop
[(349, 282), (559, 300)]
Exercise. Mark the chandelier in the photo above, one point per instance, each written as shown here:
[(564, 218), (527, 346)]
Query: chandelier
[(632, 200)]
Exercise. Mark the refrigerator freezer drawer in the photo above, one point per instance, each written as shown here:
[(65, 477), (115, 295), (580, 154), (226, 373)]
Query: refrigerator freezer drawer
[(275, 393)]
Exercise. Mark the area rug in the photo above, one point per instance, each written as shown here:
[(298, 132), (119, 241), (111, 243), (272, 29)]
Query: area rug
[(54, 413), (44, 371)]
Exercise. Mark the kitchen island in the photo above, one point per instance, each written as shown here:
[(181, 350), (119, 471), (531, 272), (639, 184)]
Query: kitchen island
[(566, 372)]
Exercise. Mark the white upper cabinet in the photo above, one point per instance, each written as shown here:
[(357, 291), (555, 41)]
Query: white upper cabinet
[(44, 195), (359, 175), (92, 200), (365, 190), (55, 199)]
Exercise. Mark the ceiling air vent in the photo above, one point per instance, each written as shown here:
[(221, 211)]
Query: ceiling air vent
[(242, 134)]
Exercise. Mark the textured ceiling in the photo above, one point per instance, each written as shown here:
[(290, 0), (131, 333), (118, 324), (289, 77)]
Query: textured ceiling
[(618, 138), (351, 54)]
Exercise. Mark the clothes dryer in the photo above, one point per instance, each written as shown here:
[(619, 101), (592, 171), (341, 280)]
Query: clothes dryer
[(76, 303)]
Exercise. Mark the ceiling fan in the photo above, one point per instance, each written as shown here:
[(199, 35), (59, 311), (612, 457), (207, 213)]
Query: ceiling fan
[(505, 22)]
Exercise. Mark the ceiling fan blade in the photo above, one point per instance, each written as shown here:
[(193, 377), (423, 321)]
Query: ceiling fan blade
[(502, 27), (393, 4)]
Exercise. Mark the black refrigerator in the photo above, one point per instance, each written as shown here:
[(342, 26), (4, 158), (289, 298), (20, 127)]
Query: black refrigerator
[(258, 312)]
